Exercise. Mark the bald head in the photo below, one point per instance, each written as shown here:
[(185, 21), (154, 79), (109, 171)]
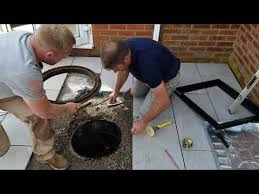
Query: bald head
[(113, 53)]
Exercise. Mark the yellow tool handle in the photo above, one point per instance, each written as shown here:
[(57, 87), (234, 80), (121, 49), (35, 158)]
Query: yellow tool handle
[(164, 124)]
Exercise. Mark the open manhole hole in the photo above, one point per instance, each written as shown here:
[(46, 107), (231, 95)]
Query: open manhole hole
[(96, 138)]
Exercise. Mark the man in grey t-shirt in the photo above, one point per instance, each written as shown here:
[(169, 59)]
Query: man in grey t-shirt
[(21, 85)]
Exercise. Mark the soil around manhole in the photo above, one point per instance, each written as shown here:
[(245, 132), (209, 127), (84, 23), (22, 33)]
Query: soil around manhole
[(66, 124)]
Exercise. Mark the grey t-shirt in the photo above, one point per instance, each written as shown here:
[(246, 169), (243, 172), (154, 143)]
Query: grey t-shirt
[(20, 74)]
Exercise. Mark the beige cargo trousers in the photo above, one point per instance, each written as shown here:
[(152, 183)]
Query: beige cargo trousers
[(141, 89), (40, 129)]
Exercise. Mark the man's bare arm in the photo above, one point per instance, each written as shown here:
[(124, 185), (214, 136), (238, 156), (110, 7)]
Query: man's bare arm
[(161, 101), (45, 110), (121, 79)]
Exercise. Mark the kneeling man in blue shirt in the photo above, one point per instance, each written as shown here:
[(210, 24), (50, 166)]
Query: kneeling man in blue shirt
[(156, 72)]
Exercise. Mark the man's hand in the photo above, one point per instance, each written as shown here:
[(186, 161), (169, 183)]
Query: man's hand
[(72, 107), (45, 110), (113, 96), (138, 126)]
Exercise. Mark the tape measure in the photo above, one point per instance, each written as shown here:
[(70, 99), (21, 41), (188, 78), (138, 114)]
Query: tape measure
[(187, 143)]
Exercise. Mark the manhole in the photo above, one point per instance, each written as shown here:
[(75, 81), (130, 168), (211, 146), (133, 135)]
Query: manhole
[(96, 138)]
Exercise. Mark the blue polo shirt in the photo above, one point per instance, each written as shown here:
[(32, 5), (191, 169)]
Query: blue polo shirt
[(151, 62)]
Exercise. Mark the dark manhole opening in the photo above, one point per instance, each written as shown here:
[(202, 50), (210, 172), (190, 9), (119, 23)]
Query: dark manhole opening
[(96, 138)]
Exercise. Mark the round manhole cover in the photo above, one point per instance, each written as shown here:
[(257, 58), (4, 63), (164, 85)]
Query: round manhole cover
[(96, 138)]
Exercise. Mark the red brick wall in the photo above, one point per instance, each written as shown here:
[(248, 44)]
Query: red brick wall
[(234, 44), (103, 32), (200, 42), (244, 59)]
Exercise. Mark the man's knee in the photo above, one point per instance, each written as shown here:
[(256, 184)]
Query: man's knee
[(138, 93), (139, 89)]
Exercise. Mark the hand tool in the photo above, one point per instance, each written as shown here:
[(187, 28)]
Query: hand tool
[(83, 105), (151, 130), (119, 101)]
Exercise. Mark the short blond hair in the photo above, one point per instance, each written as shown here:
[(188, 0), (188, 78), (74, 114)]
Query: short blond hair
[(55, 36)]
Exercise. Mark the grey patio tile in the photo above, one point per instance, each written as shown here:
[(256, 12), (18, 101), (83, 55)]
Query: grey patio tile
[(64, 62), (55, 82), (93, 63), (199, 160), (109, 80), (150, 152), (189, 75), (52, 94), (17, 131), (214, 69), (189, 123), (155, 158), (16, 158), (229, 80), (222, 101)]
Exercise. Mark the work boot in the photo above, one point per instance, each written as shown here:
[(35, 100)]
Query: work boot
[(4, 142), (58, 162)]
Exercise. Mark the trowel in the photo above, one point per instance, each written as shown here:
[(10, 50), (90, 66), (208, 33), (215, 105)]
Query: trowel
[(85, 104), (119, 101)]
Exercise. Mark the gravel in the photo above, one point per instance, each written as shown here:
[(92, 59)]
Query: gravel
[(66, 124)]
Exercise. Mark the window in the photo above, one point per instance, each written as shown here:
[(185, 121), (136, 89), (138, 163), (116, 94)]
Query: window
[(82, 32), (83, 35)]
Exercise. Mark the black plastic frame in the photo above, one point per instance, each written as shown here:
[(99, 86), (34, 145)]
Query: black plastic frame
[(227, 89)]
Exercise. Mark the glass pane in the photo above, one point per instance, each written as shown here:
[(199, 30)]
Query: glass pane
[(75, 85), (16, 25), (22, 27), (74, 29)]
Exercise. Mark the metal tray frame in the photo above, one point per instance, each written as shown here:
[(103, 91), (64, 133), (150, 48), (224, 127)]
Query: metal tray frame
[(180, 92)]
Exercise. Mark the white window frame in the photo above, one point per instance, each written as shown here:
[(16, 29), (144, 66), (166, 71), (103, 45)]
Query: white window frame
[(84, 41), (7, 27), (4, 28)]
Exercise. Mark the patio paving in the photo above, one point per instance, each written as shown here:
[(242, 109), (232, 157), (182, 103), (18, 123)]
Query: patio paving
[(164, 150), (148, 151)]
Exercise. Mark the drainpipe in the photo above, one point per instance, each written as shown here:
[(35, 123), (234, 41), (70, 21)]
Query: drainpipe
[(156, 32)]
